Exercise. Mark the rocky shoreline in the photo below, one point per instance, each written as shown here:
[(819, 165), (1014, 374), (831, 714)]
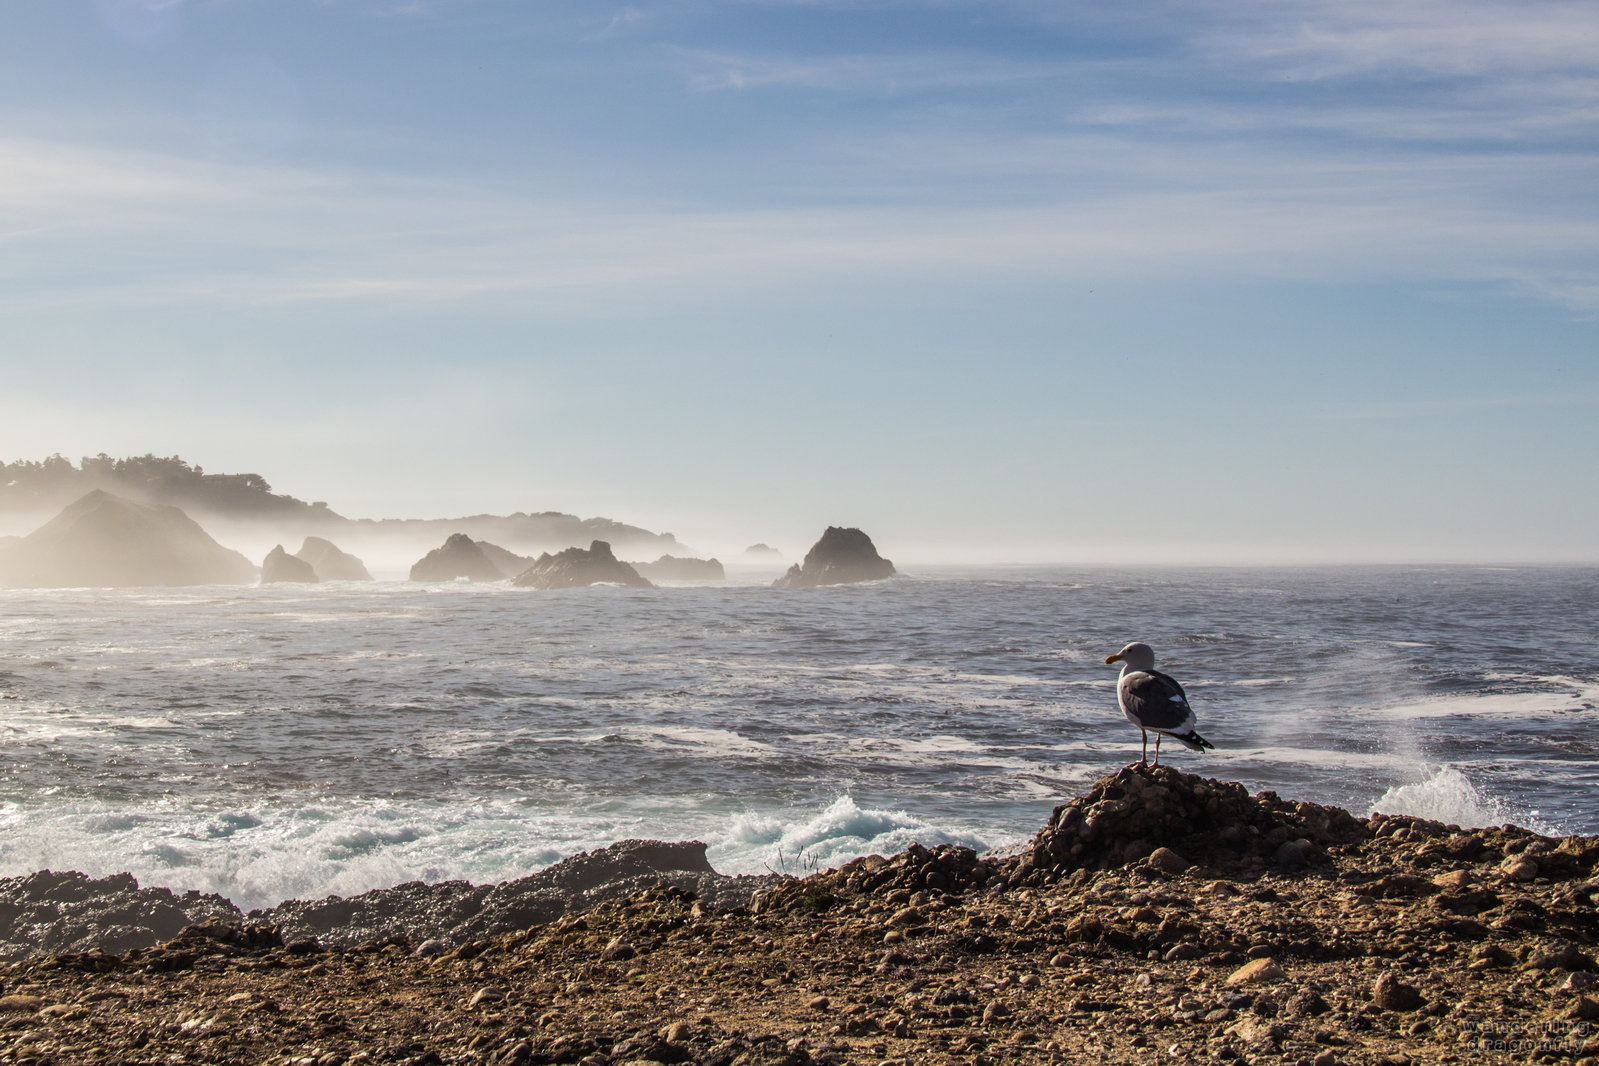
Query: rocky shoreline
[(1161, 917)]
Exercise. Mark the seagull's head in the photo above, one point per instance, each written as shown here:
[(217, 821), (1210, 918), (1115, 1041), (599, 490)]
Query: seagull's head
[(1137, 656)]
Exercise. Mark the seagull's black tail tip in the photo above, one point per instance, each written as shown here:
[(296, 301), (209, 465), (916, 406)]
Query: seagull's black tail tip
[(1195, 741)]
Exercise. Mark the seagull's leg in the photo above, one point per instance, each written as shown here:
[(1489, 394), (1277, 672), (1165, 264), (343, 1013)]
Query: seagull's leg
[(1157, 749), (1143, 756)]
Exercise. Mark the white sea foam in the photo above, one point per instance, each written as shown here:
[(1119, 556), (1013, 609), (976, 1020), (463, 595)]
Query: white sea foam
[(1450, 797), (759, 843), (1556, 695)]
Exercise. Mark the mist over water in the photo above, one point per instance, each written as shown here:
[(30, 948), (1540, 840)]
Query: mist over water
[(291, 741)]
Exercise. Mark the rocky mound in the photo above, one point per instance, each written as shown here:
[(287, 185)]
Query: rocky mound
[(841, 557), (54, 913), (459, 556), (279, 565), (677, 568), (762, 551), (1182, 819), (103, 540), (331, 564), (575, 568), (453, 912)]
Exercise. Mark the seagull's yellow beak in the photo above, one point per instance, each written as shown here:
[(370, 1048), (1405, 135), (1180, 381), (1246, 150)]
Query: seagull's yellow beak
[(1112, 659)]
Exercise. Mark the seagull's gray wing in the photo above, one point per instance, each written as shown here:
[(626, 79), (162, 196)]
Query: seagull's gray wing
[(1156, 701)]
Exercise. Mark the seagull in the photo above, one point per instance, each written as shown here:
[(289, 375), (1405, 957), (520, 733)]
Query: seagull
[(1153, 701)]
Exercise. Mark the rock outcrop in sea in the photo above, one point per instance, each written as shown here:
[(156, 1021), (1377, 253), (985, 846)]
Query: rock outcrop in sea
[(459, 556), (841, 557), (577, 567), (50, 913), (279, 565), (330, 563), (54, 913), (101, 540), (454, 912), (682, 570)]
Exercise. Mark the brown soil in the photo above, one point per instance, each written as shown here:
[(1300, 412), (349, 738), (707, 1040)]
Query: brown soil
[(1301, 935)]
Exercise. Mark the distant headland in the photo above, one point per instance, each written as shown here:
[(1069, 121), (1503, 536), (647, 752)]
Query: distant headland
[(243, 510), (154, 520)]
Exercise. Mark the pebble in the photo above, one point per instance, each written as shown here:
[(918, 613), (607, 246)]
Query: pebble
[(618, 950), (429, 948), (1560, 957), (1516, 868), (1584, 1010), (1490, 955), (1390, 993), (486, 994), (1258, 971), (18, 1003), (1292, 854), (1168, 861)]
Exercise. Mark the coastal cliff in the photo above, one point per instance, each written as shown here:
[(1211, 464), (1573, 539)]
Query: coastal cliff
[(1160, 916)]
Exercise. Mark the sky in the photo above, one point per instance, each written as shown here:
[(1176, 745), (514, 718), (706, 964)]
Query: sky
[(1227, 281)]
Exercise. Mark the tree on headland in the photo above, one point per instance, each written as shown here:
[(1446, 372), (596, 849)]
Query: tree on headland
[(149, 478)]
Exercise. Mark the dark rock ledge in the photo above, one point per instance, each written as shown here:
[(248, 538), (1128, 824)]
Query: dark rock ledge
[(1161, 917)]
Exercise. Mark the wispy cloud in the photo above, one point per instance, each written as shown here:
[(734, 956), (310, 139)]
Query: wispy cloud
[(915, 72), (101, 224), (1332, 38)]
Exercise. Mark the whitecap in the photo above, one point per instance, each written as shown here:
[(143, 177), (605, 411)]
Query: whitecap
[(1450, 797)]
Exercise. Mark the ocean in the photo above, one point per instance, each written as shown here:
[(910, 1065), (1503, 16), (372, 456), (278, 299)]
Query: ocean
[(292, 741)]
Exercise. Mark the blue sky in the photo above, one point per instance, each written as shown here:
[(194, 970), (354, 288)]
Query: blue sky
[(1204, 281)]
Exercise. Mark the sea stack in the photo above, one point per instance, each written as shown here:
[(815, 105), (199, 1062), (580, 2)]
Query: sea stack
[(841, 557), (575, 568), (279, 565), (330, 563), (103, 541), (459, 556)]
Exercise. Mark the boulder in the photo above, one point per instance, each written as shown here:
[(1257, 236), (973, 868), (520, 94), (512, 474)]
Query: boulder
[(675, 568), (842, 556), (459, 556), (575, 567), (102, 540), (330, 563), (762, 551), (279, 565)]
